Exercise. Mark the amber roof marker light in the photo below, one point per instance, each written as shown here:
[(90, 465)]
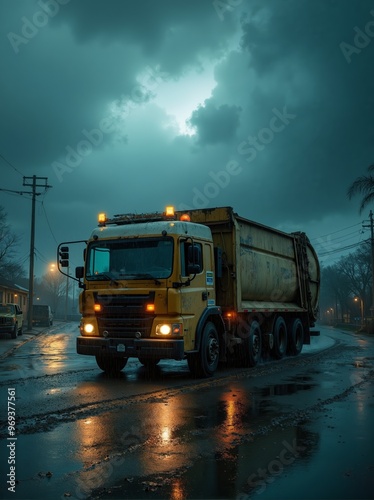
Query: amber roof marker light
[(102, 218)]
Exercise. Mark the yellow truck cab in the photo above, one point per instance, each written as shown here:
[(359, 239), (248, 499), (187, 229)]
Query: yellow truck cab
[(149, 293)]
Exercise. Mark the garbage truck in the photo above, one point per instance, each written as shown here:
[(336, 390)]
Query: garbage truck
[(202, 285)]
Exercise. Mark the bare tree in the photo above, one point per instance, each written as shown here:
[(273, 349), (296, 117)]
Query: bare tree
[(334, 291), (52, 289), (350, 277), (356, 267), (9, 268)]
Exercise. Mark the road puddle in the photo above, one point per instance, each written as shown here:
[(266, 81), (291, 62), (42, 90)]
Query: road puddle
[(285, 389), (235, 472), (363, 363)]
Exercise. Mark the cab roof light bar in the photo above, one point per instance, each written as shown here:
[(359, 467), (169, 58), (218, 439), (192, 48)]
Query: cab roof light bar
[(121, 219)]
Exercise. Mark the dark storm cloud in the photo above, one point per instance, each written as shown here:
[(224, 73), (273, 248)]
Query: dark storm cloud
[(174, 33), (56, 91), (215, 124), (292, 59), (68, 71)]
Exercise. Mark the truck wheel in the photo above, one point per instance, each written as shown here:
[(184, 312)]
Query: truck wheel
[(296, 337), (149, 362), (20, 331), (14, 332), (110, 365), (205, 362), (280, 338), (253, 344)]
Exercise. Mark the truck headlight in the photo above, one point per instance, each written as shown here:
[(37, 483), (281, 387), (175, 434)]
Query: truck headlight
[(88, 328), (169, 329)]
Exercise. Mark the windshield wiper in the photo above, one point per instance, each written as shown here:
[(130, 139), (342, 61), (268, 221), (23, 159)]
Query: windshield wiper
[(107, 276), (146, 276)]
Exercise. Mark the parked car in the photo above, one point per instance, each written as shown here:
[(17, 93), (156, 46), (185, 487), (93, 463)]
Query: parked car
[(11, 319), (42, 315)]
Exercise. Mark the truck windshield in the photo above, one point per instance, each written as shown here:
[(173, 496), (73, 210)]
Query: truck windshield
[(6, 309), (135, 258)]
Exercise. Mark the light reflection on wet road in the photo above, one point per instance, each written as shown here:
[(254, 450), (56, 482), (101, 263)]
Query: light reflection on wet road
[(266, 433)]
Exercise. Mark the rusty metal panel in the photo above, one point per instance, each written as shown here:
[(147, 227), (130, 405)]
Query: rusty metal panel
[(267, 264)]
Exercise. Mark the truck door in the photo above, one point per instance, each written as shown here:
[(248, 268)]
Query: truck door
[(200, 293)]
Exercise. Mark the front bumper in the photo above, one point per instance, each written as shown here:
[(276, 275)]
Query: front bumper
[(6, 328), (131, 348)]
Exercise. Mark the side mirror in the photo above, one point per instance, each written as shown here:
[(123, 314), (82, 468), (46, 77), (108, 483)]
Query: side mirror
[(79, 272), (194, 260), (194, 268)]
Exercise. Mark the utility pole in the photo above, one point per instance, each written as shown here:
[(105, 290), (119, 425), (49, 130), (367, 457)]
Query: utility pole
[(371, 225), (33, 185)]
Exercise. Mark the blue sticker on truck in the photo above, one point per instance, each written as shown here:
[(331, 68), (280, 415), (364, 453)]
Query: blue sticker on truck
[(209, 278)]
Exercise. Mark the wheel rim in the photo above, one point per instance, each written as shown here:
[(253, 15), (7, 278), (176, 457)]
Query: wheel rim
[(256, 346), (212, 349)]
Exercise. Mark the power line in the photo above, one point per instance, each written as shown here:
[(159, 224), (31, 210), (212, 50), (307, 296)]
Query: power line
[(10, 164), (46, 218), (342, 249), (12, 191), (41, 256), (347, 236), (334, 232), (333, 244)]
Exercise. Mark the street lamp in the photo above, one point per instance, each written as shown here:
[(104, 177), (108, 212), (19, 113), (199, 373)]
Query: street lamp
[(330, 313), (356, 299)]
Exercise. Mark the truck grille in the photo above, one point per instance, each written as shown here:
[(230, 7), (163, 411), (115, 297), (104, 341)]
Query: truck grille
[(124, 316)]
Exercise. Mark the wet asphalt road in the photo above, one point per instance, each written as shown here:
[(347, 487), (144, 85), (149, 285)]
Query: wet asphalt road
[(296, 428)]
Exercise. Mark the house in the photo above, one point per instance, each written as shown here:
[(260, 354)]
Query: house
[(10, 293)]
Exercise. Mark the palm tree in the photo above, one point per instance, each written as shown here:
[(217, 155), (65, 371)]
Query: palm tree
[(365, 186)]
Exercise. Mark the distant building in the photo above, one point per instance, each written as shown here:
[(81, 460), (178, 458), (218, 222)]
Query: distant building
[(10, 293)]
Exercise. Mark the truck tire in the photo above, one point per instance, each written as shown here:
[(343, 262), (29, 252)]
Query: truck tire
[(296, 340), (204, 363), (253, 344), (280, 338), (110, 364), (149, 362), (14, 331)]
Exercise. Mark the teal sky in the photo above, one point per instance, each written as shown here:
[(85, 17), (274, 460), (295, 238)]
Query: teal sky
[(127, 106)]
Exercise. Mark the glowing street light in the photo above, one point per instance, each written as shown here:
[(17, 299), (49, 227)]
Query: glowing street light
[(330, 312), (356, 299)]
